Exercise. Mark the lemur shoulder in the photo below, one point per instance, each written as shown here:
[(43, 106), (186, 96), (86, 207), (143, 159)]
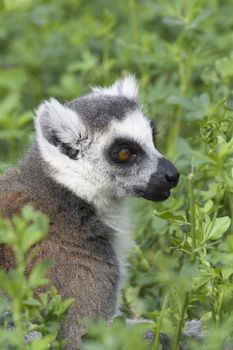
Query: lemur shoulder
[(87, 157)]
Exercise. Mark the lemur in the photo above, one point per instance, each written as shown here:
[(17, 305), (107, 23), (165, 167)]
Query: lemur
[(88, 155)]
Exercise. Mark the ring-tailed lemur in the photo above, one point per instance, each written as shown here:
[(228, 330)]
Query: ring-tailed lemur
[(88, 155)]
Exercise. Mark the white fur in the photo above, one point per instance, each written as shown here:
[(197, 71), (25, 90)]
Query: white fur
[(137, 127), (77, 177), (127, 87), (62, 120), (82, 176), (90, 177), (116, 216)]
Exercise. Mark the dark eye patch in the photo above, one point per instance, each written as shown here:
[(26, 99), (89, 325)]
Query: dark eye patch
[(124, 144)]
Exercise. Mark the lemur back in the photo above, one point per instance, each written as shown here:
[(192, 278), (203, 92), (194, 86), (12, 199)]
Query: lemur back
[(78, 171)]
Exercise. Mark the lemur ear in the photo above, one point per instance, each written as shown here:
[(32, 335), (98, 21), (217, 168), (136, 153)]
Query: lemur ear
[(127, 87), (59, 124)]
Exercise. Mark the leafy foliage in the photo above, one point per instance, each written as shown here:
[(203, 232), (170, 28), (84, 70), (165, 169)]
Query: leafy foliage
[(20, 313), (182, 262)]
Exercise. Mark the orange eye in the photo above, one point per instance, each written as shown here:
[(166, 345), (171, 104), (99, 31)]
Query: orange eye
[(123, 154)]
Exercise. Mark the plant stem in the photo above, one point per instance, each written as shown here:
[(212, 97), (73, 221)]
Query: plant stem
[(134, 25), (173, 133), (230, 202), (192, 213), (156, 340), (16, 313), (214, 217), (180, 326)]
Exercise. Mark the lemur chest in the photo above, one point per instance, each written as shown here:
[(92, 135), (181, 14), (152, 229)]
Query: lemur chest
[(116, 217)]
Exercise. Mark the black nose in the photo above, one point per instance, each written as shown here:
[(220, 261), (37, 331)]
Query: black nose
[(167, 172), (172, 179), (161, 182)]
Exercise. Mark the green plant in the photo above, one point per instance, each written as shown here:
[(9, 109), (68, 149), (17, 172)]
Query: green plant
[(181, 266), (20, 312)]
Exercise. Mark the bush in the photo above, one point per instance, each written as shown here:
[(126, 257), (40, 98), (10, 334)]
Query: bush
[(24, 319), (182, 262)]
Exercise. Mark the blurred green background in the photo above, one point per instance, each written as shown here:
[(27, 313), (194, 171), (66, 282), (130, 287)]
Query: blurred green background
[(181, 52), (177, 49)]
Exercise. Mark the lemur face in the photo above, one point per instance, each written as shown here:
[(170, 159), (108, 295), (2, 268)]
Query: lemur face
[(137, 168), (101, 146)]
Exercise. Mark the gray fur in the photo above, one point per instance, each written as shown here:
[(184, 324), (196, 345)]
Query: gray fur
[(98, 111), (80, 245)]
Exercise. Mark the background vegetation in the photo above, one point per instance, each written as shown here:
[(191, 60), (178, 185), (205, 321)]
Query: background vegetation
[(181, 266)]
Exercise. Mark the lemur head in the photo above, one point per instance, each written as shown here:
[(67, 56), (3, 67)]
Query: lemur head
[(101, 147)]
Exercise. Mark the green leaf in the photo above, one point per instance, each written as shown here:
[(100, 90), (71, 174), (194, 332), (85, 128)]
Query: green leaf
[(170, 216), (37, 277), (220, 226), (227, 272), (208, 206), (32, 302)]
